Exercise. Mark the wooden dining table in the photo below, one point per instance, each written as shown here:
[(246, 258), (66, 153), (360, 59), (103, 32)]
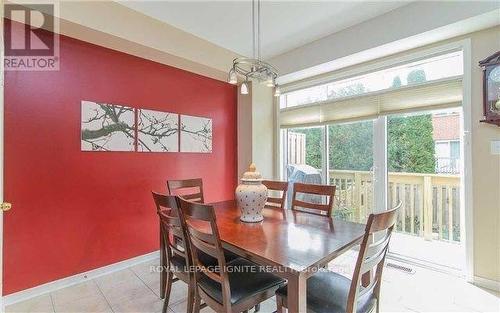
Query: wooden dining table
[(292, 245)]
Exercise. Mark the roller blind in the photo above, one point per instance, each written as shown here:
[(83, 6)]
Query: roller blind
[(430, 95)]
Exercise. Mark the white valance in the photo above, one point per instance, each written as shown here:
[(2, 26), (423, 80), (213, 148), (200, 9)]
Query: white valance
[(429, 95)]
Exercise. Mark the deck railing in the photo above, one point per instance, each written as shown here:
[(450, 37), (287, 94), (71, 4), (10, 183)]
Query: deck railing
[(431, 202), (447, 165)]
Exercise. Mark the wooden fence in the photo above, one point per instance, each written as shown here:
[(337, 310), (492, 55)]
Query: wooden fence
[(296, 148), (431, 202)]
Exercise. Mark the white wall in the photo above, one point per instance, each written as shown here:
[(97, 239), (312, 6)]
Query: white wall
[(256, 130), (414, 25), (485, 166), (245, 131), (263, 129)]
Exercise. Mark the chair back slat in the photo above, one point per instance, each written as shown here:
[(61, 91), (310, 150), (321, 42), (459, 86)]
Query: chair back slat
[(369, 288), (163, 202), (196, 212), (174, 237), (370, 262), (311, 207), (372, 256), (201, 228), (203, 246), (379, 245), (211, 274), (190, 189), (171, 226), (196, 197), (203, 236), (319, 190), (170, 218), (274, 200), (276, 186)]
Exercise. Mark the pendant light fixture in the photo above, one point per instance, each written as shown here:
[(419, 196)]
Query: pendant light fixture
[(254, 68), (244, 88)]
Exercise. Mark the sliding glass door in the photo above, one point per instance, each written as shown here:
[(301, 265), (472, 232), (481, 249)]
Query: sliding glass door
[(424, 175), (400, 145)]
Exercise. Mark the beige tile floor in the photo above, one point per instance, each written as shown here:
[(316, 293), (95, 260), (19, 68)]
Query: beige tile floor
[(136, 289), (433, 252)]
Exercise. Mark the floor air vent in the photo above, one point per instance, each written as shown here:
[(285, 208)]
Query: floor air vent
[(402, 268)]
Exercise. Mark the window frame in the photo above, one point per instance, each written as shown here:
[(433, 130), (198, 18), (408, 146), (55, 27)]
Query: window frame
[(467, 214)]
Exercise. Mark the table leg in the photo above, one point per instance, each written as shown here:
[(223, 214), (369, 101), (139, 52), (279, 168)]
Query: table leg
[(297, 294)]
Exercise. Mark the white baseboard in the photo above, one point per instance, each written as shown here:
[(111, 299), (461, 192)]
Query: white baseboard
[(75, 279), (487, 283)]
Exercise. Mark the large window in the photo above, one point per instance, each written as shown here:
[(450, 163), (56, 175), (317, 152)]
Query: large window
[(383, 138), (430, 69)]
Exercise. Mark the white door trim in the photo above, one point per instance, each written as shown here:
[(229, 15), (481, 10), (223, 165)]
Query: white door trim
[(2, 81), (466, 198), (380, 169)]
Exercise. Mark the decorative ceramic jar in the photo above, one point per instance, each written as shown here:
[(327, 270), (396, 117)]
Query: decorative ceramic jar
[(251, 196)]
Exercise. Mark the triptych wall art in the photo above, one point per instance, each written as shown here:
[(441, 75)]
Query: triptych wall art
[(111, 127)]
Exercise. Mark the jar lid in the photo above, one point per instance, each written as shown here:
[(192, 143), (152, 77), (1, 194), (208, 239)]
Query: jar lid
[(252, 174)]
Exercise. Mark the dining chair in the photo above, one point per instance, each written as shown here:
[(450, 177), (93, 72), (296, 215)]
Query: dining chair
[(174, 251), (313, 190), (279, 187), (161, 204), (189, 189), (329, 292), (174, 255), (234, 286)]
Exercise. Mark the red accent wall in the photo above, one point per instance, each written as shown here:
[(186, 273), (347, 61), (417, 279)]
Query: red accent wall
[(75, 211)]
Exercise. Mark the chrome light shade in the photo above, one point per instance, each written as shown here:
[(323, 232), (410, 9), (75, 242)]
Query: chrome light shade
[(253, 69)]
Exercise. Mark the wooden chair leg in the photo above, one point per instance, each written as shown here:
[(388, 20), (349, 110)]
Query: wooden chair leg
[(165, 306), (163, 273), (191, 296), (197, 300), (279, 305), (168, 288)]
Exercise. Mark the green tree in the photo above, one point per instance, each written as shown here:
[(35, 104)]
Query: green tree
[(416, 76), (350, 90), (351, 146), (396, 82), (313, 145), (410, 144)]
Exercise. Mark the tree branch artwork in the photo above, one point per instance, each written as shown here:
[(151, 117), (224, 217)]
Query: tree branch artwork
[(107, 127), (196, 134), (157, 131)]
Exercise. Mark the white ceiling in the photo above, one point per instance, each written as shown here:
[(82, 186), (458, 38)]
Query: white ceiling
[(286, 25)]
